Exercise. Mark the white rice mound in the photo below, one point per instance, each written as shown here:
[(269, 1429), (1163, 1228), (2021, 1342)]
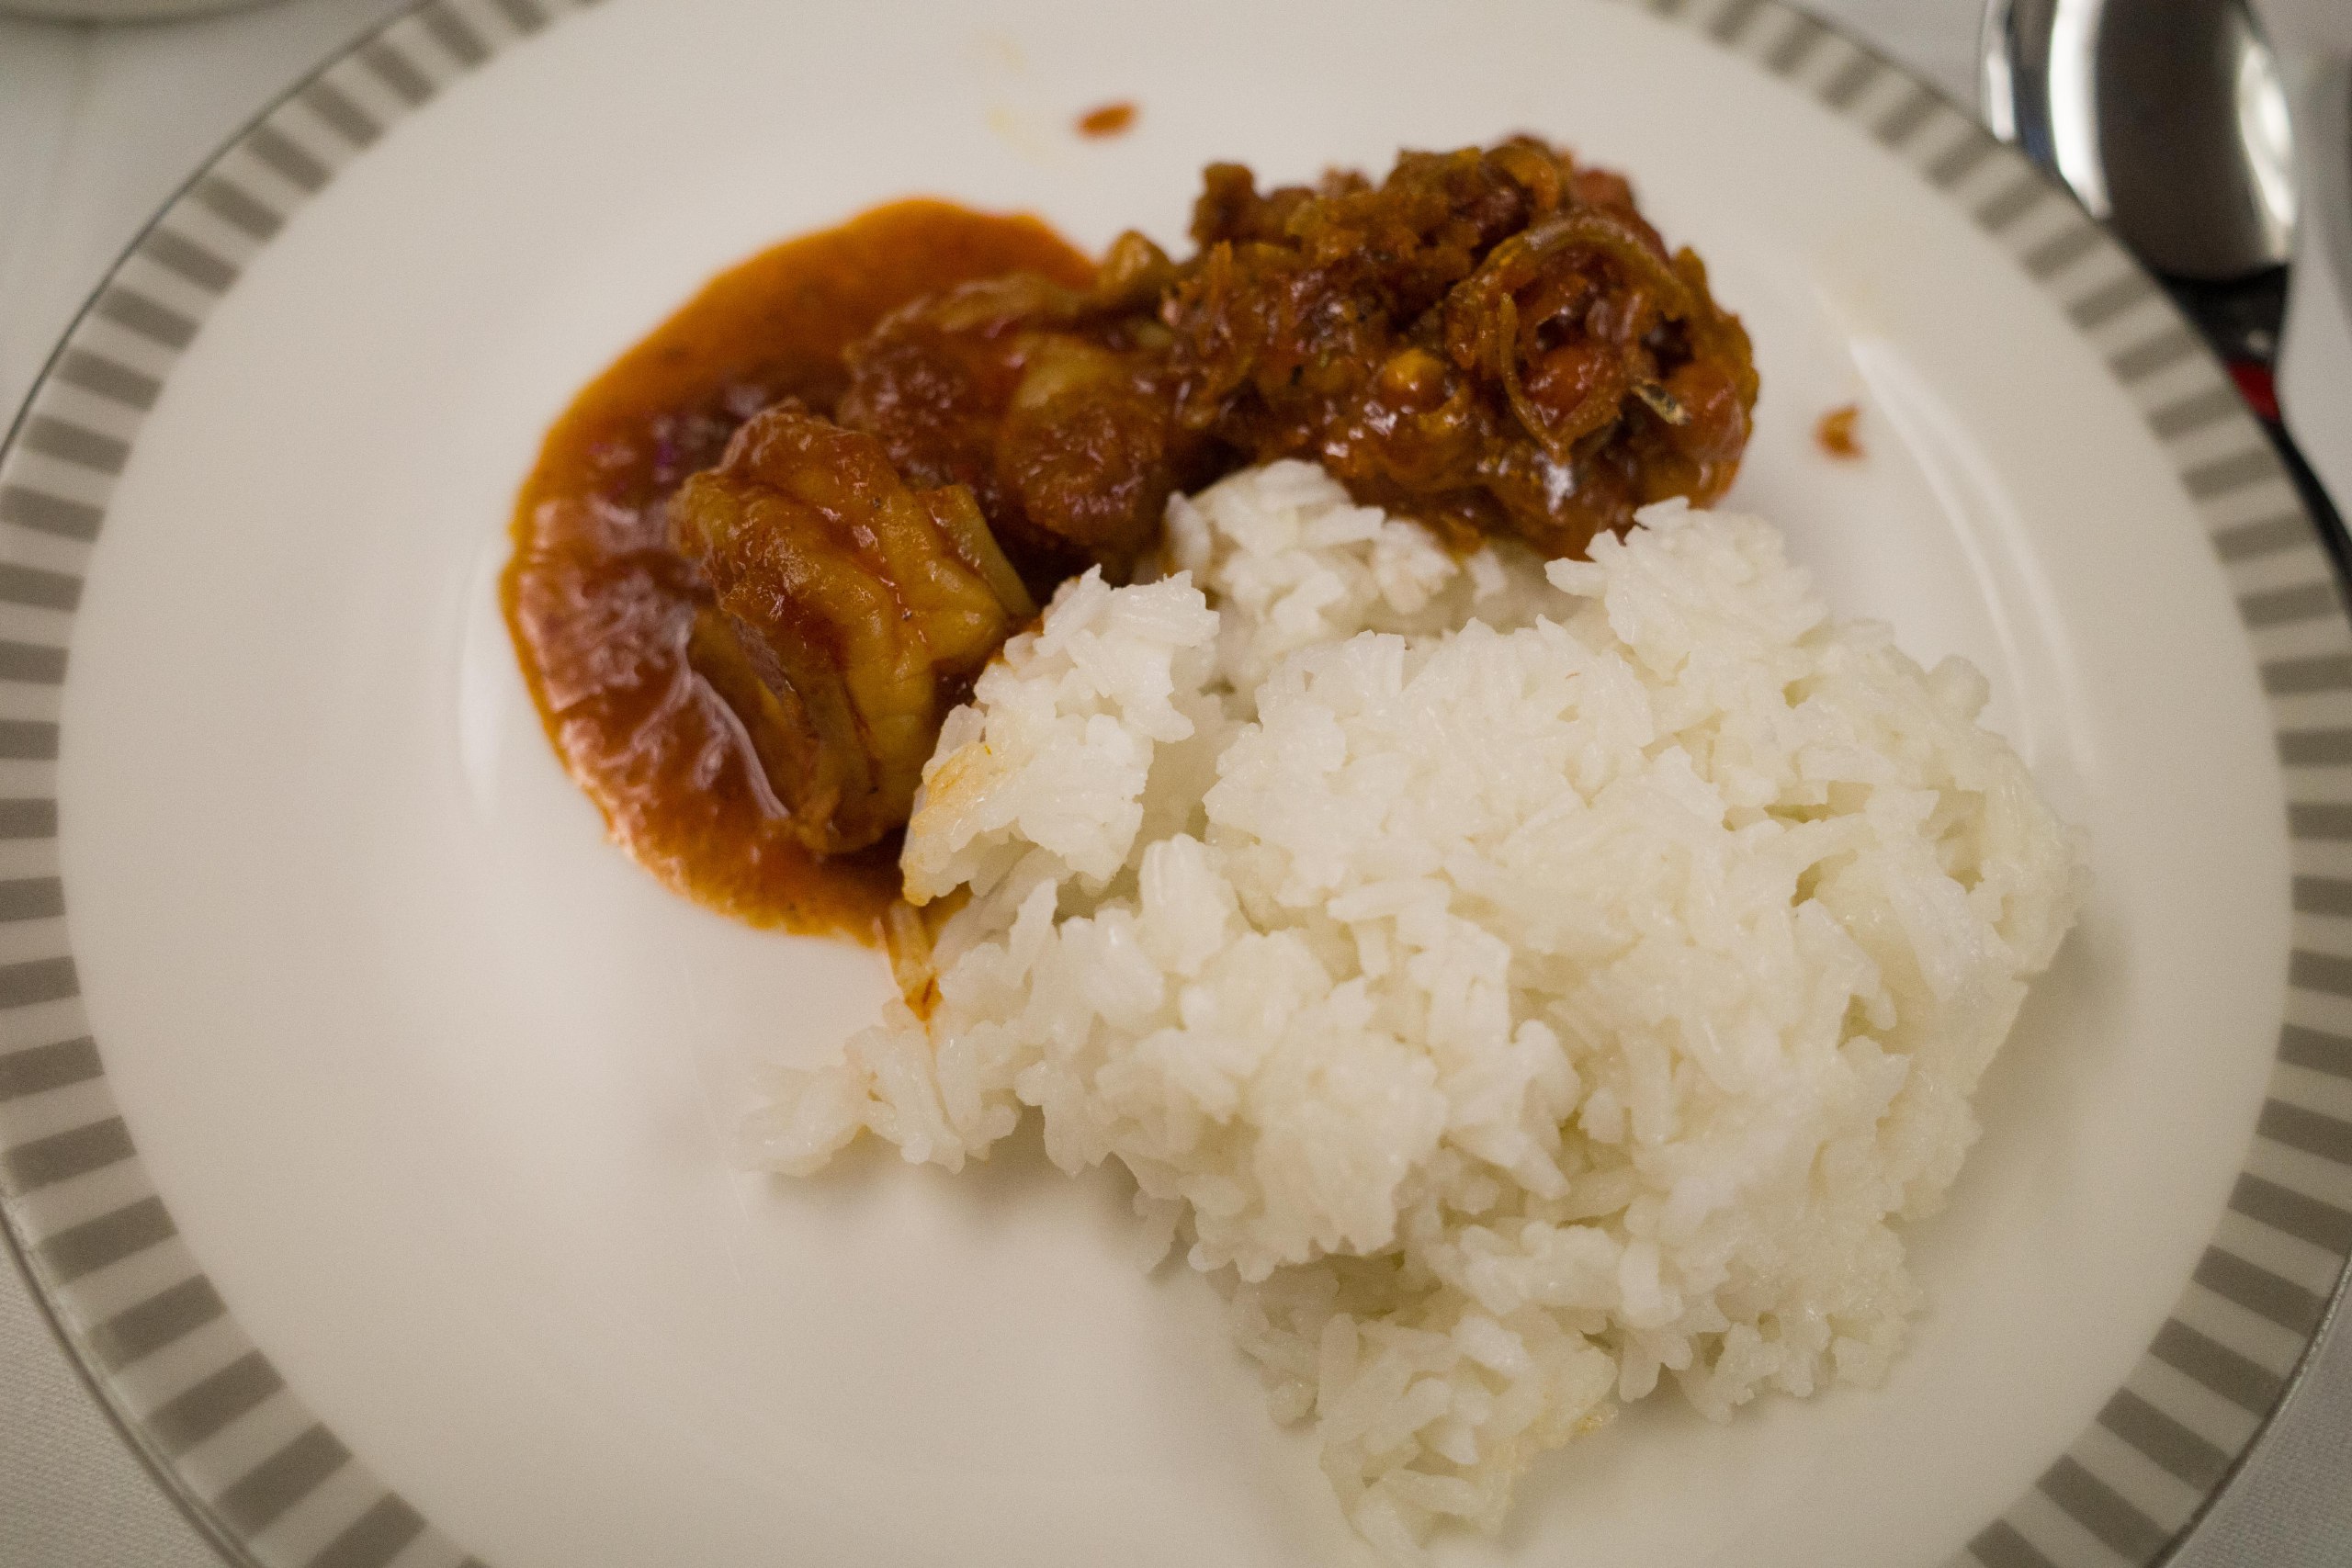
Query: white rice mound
[(1517, 981)]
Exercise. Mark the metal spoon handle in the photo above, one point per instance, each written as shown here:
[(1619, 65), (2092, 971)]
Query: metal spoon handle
[(2168, 121)]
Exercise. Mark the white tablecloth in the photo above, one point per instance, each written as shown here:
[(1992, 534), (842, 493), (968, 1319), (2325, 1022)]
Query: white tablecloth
[(98, 126)]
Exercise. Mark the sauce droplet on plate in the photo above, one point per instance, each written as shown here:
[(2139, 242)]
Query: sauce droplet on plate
[(1109, 120), (1835, 434)]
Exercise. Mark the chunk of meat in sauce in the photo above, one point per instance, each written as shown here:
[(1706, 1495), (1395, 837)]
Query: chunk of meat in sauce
[(604, 610), (1493, 342), (1056, 407), (851, 612)]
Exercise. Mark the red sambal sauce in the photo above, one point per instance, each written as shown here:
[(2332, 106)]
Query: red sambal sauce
[(600, 606)]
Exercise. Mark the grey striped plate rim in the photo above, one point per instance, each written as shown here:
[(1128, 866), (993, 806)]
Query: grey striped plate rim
[(270, 1485), (234, 1448)]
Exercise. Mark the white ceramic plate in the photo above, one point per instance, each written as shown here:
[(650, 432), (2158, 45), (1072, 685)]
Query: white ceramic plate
[(364, 1116)]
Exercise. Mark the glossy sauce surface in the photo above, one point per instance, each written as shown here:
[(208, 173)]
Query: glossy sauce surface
[(600, 605)]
